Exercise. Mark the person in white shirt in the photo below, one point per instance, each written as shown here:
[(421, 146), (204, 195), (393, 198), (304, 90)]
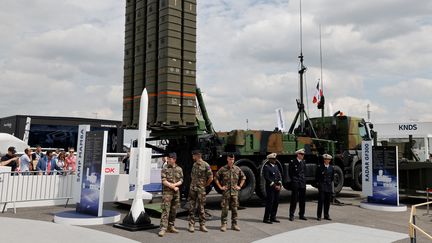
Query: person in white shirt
[(25, 162)]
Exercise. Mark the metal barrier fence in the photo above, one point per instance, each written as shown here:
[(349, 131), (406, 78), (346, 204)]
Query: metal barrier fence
[(413, 228), (428, 191), (35, 186)]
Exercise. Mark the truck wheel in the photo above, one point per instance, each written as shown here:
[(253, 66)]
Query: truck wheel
[(357, 179), (260, 187), (338, 179), (249, 186)]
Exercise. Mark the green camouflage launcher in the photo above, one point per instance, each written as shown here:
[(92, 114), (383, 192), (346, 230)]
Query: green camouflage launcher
[(160, 55)]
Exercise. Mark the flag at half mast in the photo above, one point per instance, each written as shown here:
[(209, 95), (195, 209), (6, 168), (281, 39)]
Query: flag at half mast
[(318, 93)]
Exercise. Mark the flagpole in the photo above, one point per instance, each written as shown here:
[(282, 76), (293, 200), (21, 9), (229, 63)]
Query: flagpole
[(322, 82), (301, 114)]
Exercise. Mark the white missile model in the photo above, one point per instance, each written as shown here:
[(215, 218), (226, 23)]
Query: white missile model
[(140, 162)]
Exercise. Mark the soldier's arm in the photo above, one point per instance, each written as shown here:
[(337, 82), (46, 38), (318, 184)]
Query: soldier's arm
[(164, 179), (178, 183), (218, 174), (209, 175), (209, 181), (168, 184), (218, 184), (242, 178), (267, 175)]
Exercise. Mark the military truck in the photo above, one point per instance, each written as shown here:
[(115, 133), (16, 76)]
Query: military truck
[(250, 147)]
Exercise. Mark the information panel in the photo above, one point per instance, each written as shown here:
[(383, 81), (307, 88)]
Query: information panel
[(367, 180), (82, 131), (93, 175), (385, 176)]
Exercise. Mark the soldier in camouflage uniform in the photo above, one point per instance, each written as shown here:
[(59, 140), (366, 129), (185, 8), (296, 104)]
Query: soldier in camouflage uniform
[(227, 179), (172, 178), (201, 177)]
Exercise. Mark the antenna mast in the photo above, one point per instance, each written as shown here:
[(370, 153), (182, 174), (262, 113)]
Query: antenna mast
[(301, 73), (300, 103)]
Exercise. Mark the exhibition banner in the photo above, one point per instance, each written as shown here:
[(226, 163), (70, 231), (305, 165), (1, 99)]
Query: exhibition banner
[(385, 176), (92, 185), (367, 185), (82, 131)]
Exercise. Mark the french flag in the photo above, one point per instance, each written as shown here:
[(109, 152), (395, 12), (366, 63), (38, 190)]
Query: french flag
[(318, 94)]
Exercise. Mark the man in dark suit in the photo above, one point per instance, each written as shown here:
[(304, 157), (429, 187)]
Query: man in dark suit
[(296, 170), (273, 184), (324, 179)]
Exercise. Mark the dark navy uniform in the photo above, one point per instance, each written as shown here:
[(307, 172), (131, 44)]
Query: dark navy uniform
[(296, 170), (273, 178), (324, 179)]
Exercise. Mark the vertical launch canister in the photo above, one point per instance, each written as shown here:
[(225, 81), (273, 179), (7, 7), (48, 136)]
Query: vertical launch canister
[(160, 55)]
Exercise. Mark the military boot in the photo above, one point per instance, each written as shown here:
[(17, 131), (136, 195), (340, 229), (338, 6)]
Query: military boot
[(235, 227), (161, 233), (203, 228), (172, 229), (191, 228), (223, 227)]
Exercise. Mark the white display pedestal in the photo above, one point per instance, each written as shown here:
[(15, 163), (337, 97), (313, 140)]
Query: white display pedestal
[(383, 207), (74, 218)]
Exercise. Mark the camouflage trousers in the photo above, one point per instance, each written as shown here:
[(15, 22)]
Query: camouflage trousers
[(196, 200), (229, 201), (170, 202)]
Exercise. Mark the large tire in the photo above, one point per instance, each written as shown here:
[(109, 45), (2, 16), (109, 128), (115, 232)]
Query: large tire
[(357, 178), (249, 186), (338, 179), (260, 189), (260, 186)]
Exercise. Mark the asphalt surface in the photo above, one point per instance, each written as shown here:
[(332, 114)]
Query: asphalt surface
[(250, 219)]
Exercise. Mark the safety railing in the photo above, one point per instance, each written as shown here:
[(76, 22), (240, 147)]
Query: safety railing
[(35, 186), (413, 228), (428, 191)]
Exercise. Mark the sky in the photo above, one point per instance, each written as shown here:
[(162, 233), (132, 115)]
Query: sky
[(65, 58)]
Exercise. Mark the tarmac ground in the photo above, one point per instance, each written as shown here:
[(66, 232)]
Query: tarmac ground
[(346, 216)]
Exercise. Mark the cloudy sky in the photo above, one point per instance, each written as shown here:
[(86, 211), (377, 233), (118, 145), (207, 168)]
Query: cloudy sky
[(65, 58)]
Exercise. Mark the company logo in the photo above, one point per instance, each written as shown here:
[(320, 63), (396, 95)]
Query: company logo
[(8, 125), (110, 170), (408, 127)]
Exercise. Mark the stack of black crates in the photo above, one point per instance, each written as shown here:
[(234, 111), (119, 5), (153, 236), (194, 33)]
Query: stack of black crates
[(160, 55)]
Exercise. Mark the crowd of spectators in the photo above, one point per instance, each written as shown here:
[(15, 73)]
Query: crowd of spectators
[(39, 162)]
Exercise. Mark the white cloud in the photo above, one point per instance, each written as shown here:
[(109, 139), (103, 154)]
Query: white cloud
[(415, 89), (53, 52), (68, 56)]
